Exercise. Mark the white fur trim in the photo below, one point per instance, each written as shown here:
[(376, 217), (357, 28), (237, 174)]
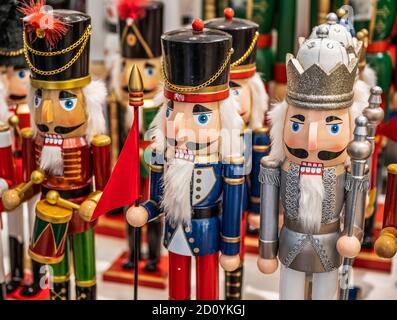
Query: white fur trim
[(231, 126), (115, 76), (156, 130), (32, 110), (311, 202), (176, 201), (51, 160), (277, 120), (361, 97), (95, 98), (4, 113), (260, 101), (369, 76), (5, 139)]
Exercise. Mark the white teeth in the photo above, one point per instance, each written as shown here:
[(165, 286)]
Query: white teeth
[(318, 170)]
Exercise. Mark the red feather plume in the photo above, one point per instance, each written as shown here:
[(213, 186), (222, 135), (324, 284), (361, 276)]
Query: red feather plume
[(131, 9), (42, 22)]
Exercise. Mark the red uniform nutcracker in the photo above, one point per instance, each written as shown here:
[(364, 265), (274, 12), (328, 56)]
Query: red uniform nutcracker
[(14, 84), (65, 152)]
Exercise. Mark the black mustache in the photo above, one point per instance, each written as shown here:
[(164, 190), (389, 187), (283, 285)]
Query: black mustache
[(58, 129), (299, 153), (43, 128), (329, 155), (125, 89), (322, 155), (190, 145), (16, 97)]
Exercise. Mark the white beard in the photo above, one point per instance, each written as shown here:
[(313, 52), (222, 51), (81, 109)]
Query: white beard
[(311, 202), (176, 201), (51, 160)]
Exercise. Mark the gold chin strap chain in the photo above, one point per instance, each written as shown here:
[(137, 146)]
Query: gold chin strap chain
[(247, 53), (82, 41), (14, 53), (177, 88)]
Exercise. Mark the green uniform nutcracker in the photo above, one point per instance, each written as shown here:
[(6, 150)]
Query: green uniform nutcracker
[(140, 28), (65, 151), (262, 13)]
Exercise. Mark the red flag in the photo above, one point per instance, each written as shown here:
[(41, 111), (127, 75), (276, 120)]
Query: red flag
[(389, 130), (122, 188)]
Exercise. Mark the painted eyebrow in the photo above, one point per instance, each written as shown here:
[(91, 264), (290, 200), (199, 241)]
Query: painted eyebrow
[(149, 65), (332, 118), (298, 117), (170, 104), (66, 95), (233, 84), (198, 108)]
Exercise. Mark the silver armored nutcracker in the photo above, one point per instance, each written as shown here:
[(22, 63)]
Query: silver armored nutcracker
[(307, 171)]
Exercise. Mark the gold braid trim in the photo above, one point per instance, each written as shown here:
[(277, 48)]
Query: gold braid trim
[(247, 53), (83, 41), (13, 53), (177, 88)]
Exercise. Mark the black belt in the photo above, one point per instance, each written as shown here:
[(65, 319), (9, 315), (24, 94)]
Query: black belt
[(112, 28), (205, 213), (69, 194)]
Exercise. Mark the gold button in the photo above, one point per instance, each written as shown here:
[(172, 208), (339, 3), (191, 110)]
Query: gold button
[(173, 225), (198, 180), (198, 188), (191, 240), (196, 250), (198, 172), (197, 197), (187, 229), (169, 234)]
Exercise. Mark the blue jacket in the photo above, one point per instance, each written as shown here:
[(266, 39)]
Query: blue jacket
[(215, 187)]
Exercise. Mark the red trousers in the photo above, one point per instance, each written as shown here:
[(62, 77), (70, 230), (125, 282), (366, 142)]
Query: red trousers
[(207, 277)]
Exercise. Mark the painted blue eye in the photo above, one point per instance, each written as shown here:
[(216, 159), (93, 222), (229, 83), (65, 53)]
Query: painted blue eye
[(202, 118), (236, 92), (168, 113), (296, 126), (149, 71), (37, 101), (68, 104), (21, 74), (334, 129)]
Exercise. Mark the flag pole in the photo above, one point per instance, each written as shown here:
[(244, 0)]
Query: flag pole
[(135, 89)]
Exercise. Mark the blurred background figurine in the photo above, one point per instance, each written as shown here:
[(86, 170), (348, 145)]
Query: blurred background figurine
[(140, 29), (249, 90), (65, 149), (15, 112)]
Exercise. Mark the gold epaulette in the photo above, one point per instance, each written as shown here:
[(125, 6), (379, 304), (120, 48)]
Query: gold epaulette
[(235, 160), (101, 140)]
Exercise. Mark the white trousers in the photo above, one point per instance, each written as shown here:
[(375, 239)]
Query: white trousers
[(292, 285)]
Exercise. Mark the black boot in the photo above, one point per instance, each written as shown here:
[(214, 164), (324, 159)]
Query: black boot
[(86, 293), (154, 242), (129, 262), (34, 288), (16, 261), (233, 284), (60, 291), (3, 291)]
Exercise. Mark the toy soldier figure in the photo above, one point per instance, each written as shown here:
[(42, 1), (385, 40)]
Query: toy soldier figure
[(140, 27), (310, 134), (248, 87), (262, 13), (199, 183), (66, 150), (386, 245), (15, 111)]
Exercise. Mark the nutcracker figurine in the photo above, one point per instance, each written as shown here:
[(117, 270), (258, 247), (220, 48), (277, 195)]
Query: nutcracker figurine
[(386, 244), (196, 170), (261, 12), (140, 27), (248, 87), (111, 37), (378, 17), (310, 135), (65, 151), (15, 111)]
